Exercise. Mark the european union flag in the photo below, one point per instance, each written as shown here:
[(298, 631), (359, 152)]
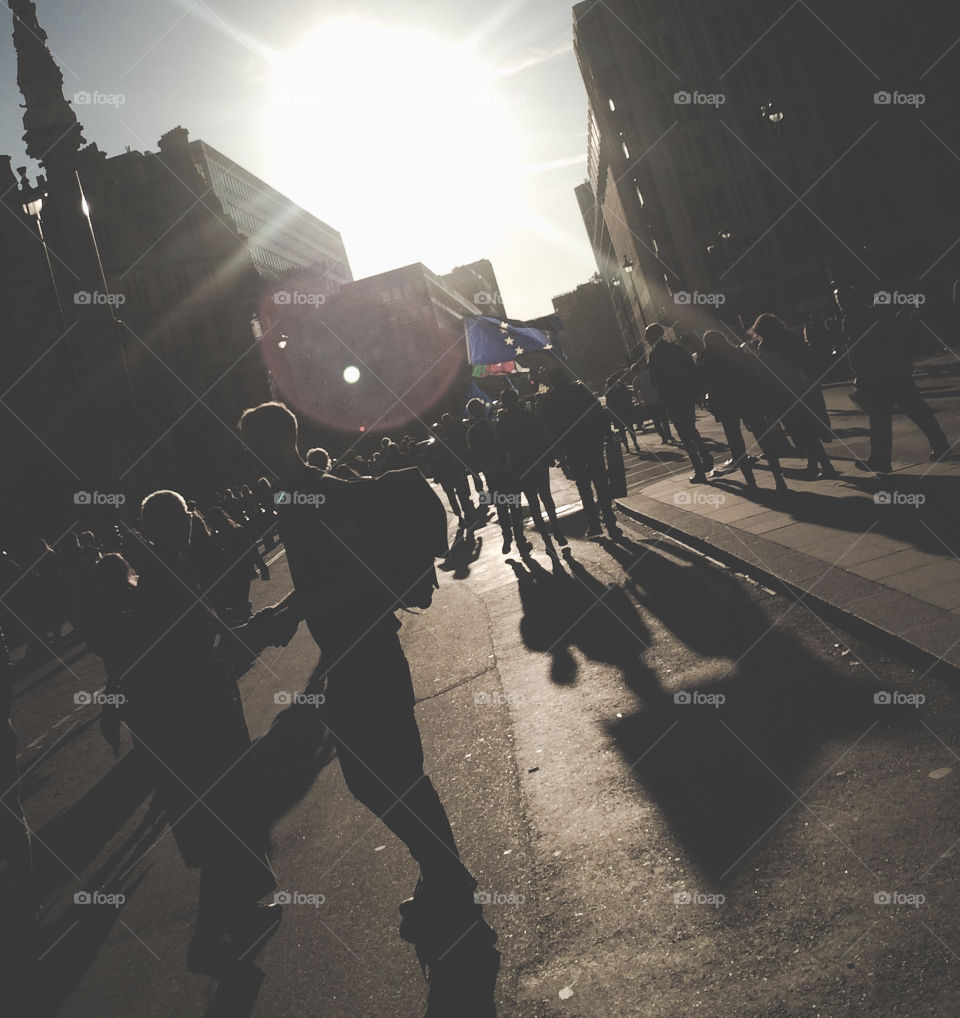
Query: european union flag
[(492, 341)]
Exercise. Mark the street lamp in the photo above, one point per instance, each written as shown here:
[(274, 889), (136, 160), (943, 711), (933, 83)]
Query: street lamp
[(33, 206), (771, 111), (628, 268)]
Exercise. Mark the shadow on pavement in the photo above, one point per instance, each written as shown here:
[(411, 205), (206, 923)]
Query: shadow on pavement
[(726, 758)]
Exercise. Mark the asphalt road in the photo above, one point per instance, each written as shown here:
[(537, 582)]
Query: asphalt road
[(721, 856)]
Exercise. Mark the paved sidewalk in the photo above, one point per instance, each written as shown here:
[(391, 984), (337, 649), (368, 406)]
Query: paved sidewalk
[(882, 550)]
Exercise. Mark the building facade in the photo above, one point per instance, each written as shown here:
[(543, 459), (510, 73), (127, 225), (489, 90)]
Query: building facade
[(281, 236), (741, 158)]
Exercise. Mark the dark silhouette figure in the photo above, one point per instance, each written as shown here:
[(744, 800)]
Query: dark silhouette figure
[(526, 447), (734, 397), (793, 393), (674, 376), (878, 353), (577, 425), (369, 705)]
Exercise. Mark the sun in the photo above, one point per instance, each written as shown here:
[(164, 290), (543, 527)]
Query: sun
[(398, 139)]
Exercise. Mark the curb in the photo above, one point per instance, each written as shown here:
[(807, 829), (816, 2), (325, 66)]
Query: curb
[(921, 633)]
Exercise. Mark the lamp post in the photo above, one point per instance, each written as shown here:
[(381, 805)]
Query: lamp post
[(33, 207), (628, 268)]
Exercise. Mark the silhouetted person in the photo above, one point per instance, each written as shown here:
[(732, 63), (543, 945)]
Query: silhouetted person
[(793, 391), (621, 408), (674, 376), (877, 348), (183, 705), (577, 425), (734, 396), (524, 440), (502, 484), (449, 468), (369, 699)]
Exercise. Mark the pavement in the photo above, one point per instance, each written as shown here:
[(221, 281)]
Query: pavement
[(877, 551)]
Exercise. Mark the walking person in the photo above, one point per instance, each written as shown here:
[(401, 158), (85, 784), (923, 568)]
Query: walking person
[(369, 694), (578, 425), (183, 706), (502, 485), (674, 375), (621, 408), (735, 397), (878, 353), (524, 440), (793, 392)]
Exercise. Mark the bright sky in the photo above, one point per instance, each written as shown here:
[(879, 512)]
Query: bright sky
[(421, 129)]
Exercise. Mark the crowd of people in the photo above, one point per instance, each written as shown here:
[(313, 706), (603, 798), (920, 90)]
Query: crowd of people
[(165, 601)]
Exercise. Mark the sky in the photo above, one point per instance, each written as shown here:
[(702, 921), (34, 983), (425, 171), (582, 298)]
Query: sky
[(422, 130)]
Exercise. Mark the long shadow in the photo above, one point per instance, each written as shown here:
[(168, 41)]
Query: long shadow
[(565, 610), (727, 757), (67, 948), (464, 551), (76, 836)]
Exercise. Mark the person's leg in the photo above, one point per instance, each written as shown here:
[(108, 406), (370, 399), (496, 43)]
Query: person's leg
[(462, 490), (598, 476), (881, 435), (683, 416), (918, 410), (448, 490), (576, 458), (738, 448), (370, 710)]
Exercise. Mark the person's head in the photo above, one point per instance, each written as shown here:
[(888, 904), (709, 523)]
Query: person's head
[(715, 341), (264, 487), (112, 576), (87, 539), (653, 333), (217, 520), (477, 409), (317, 457), (769, 327), (166, 520), (510, 399), (270, 430)]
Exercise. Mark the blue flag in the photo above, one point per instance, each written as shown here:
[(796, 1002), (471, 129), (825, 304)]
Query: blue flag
[(492, 341)]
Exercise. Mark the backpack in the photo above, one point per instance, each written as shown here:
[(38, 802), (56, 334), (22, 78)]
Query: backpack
[(404, 527)]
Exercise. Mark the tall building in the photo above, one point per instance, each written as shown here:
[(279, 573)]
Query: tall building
[(740, 157), (591, 339), (477, 283), (281, 236), (128, 296)]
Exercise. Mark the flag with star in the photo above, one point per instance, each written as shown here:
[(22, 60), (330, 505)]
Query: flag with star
[(494, 341)]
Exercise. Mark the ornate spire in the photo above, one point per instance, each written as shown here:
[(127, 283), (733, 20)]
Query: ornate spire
[(52, 135)]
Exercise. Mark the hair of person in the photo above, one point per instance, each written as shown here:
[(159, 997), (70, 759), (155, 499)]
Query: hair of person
[(317, 457), (269, 421), (653, 333), (715, 340), (161, 504), (769, 326), (113, 570), (476, 407)]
